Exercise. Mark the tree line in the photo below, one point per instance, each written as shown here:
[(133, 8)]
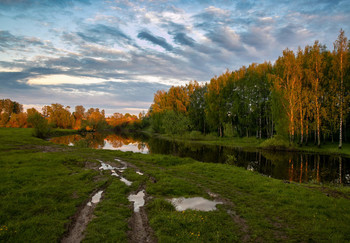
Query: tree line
[(59, 116), (304, 96)]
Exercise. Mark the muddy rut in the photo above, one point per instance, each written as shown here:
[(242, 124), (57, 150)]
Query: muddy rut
[(140, 230), (81, 219), (138, 223)]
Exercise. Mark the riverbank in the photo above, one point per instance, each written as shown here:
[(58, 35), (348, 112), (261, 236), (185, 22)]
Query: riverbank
[(251, 143), (45, 186)]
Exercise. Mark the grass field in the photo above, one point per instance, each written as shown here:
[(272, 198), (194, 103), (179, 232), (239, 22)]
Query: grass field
[(42, 185)]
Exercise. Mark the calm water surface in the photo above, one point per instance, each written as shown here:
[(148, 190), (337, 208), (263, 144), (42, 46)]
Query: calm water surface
[(291, 166)]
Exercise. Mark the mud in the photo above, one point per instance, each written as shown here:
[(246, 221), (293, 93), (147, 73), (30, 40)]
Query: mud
[(81, 219), (44, 148), (138, 223)]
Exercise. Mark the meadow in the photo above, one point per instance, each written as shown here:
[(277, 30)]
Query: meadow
[(43, 186)]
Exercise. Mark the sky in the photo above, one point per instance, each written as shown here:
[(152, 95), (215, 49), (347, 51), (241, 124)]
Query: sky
[(114, 55)]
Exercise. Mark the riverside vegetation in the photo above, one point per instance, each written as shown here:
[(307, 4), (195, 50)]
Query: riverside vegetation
[(43, 185)]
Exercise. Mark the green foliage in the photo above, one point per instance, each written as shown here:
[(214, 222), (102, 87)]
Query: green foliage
[(40, 125), (231, 159), (156, 122), (195, 135), (229, 130), (277, 142), (279, 114), (175, 123)]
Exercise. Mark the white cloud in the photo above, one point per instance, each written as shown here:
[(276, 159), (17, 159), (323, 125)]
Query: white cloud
[(57, 79)]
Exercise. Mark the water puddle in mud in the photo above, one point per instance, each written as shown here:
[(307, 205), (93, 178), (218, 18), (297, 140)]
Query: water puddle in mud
[(128, 183), (105, 166), (95, 199), (195, 203), (138, 200)]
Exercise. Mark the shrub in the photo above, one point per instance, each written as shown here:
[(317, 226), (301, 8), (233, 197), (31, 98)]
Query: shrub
[(195, 135), (40, 125), (276, 142)]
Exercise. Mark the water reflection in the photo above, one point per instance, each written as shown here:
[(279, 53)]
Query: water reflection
[(102, 141), (292, 166)]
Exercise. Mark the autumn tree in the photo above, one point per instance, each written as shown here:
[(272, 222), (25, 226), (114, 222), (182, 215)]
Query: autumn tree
[(286, 68), (79, 116), (340, 52), (7, 108)]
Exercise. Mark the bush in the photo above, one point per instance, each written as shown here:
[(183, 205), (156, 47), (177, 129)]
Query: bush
[(195, 135), (40, 125), (276, 142)]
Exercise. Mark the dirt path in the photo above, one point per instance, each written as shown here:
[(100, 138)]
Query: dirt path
[(81, 219), (140, 228)]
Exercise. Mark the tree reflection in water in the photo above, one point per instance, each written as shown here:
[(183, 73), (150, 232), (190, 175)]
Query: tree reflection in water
[(292, 166), (103, 141)]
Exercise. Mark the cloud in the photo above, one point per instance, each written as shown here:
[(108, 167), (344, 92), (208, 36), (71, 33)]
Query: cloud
[(107, 42), (183, 39), (157, 40), (37, 3), (227, 38), (212, 16), (101, 34), (112, 96), (62, 79), (293, 35), (9, 41), (258, 37)]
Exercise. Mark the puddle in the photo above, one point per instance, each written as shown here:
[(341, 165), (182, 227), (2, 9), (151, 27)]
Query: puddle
[(95, 199), (138, 200), (195, 203), (105, 166), (139, 172), (128, 183)]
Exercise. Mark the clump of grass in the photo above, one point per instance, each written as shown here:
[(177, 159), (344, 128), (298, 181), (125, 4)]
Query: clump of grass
[(231, 159), (277, 142), (194, 135)]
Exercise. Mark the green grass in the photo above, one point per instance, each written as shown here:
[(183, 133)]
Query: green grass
[(42, 184), (110, 224), (39, 190), (273, 210)]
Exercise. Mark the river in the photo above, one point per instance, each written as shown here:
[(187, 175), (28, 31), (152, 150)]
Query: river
[(290, 166)]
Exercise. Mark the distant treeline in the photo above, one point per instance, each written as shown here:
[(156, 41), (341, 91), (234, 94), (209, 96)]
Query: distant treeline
[(58, 116), (303, 96)]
